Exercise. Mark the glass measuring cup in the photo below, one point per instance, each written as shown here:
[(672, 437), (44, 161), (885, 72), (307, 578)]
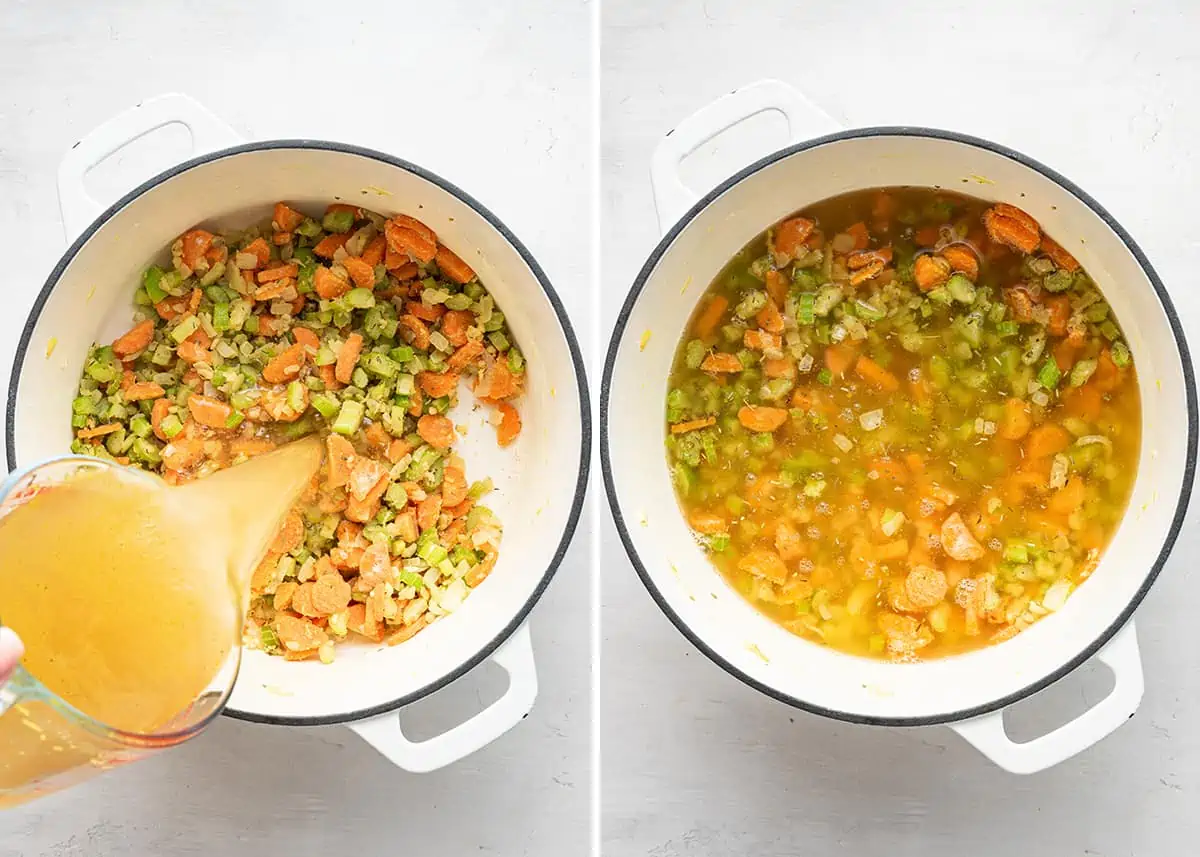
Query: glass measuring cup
[(47, 744)]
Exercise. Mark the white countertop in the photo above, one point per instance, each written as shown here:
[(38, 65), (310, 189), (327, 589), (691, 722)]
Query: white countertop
[(696, 764), (493, 97)]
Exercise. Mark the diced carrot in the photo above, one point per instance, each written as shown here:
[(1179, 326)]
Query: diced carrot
[(260, 250), (762, 418), (875, 375), (777, 288), (195, 244), (858, 232), (397, 449), (770, 319), (889, 469), (436, 430), (375, 251), (1067, 499), (286, 365), (930, 271), (143, 390), (893, 550), (1058, 255), (403, 237), (962, 259), (360, 272), (510, 424), (455, 324), (133, 341), (839, 358), (1064, 353), (347, 357), (452, 266), (708, 319), (707, 523), (98, 431), (760, 340), (208, 411), (720, 361), (791, 235), (926, 236), (764, 563), (414, 331), (425, 312), (279, 239), (468, 353), (330, 244), (279, 272), (339, 460), (914, 462), (338, 207), (779, 367), (1083, 402), (286, 218), (692, 425), (1046, 440), (1017, 419), (328, 284), (306, 337), (438, 384), (1107, 376), (1060, 312)]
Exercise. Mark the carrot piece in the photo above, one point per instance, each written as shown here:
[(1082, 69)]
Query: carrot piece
[(403, 237), (1060, 312), (896, 549), (208, 411), (336, 207), (98, 431), (791, 235), (707, 523), (338, 461), (144, 390), (692, 425), (279, 272), (875, 375), (962, 259), (1064, 352), (328, 284), (285, 366), (926, 236), (279, 239), (306, 337), (260, 250), (839, 358), (455, 324), (397, 449), (1083, 402), (452, 266), (760, 340), (762, 418), (720, 361), (414, 332), (1107, 377), (930, 271), (360, 272), (134, 340), (1046, 440), (510, 424), (347, 357), (468, 354), (1067, 499), (497, 382), (777, 287), (1059, 256), (438, 384), (271, 290), (761, 562), (888, 468), (195, 244), (425, 312), (770, 319), (1008, 225), (710, 317), (1017, 419), (436, 430), (286, 218), (779, 367), (375, 251), (859, 233), (330, 244)]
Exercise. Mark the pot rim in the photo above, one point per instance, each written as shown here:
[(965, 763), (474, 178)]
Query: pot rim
[(995, 148), (539, 275)]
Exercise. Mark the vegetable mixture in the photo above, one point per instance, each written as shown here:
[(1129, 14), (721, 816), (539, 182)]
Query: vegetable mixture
[(904, 423), (353, 326)]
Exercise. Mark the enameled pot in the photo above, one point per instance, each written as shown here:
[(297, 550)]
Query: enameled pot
[(540, 480), (970, 691)]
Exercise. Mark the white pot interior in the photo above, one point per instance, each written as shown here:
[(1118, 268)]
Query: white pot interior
[(536, 478), (734, 631)]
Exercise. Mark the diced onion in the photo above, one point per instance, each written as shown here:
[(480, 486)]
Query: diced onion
[(871, 420), (842, 442)]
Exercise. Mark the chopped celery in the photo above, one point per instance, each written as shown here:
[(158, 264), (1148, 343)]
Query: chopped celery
[(349, 418), (152, 283), (1048, 376), (338, 221), (171, 426), (325, 405)]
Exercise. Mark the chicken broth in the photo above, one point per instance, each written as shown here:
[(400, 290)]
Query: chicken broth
[(904, 423)]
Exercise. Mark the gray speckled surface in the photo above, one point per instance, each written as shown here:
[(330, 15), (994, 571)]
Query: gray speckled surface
[(495, 98), (707, 766)]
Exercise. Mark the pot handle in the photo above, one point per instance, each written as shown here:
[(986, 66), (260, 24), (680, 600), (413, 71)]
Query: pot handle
[(672, 198), (987, 733), (384, 733), (208, 132)]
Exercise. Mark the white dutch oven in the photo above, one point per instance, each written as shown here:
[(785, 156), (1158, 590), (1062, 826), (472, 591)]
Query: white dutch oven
[(971, 691), (540, 479)]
